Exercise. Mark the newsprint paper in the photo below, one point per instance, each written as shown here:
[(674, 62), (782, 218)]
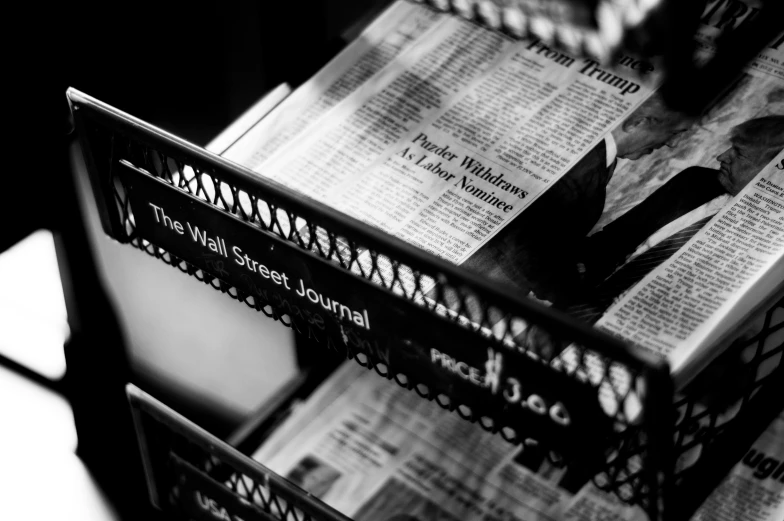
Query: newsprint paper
[(377, 452), (754, 490), (558, 176)]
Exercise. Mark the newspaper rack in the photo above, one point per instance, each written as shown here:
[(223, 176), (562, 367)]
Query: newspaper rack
[(431, 326)]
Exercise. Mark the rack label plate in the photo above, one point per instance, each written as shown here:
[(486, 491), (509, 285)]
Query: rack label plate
[(353, 316)]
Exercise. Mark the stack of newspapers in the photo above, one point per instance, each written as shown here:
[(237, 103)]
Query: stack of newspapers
[(377, 452), (567, 180)]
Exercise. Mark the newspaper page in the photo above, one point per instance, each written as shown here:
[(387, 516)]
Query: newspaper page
[(399, 27), (377, 452), (752, 491), (458, 134)]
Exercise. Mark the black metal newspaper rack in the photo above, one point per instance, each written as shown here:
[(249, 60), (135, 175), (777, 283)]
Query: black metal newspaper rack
[(583, 399)]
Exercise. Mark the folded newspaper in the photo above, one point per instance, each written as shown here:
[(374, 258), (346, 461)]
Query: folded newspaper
[(567, 180), (377, 452)]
